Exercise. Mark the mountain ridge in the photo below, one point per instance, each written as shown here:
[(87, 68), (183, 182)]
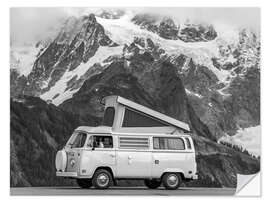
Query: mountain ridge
[(201, 82), (90, 50)]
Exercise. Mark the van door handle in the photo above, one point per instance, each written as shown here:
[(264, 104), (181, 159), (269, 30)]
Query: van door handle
[(112, 155)]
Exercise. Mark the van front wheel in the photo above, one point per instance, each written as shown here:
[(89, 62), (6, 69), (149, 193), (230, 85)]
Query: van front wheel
[(102, 179), (152, 184), (171, 181)]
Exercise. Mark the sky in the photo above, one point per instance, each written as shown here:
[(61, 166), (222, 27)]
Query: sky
[(29, 24)]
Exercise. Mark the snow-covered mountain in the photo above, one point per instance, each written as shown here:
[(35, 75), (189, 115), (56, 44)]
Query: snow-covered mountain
[(206, 75), (219, 53), (210, 62)]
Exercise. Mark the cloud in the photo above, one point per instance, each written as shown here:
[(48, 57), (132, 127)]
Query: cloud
[(28, 24), (240, 17)]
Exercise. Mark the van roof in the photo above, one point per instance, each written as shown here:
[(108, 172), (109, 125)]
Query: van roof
[(148, 111), (108, 130), (98, 129)]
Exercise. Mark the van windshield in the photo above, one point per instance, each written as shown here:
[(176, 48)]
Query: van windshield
[(77, 140)]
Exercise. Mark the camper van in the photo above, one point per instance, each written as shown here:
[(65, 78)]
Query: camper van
[(134, 142)]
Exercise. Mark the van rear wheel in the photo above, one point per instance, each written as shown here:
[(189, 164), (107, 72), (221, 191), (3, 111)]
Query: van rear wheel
[(152, 184), (102, 179), (84, 183), (171, 181)]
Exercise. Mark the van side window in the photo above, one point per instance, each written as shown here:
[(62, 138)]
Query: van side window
[(188, 143), (168, 143), (133, 118), (102, 141), (133, 143)]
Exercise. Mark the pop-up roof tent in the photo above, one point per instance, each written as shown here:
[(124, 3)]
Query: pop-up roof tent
[(124, 115)]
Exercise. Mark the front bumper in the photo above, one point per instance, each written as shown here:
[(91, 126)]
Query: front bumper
[(67, 174)]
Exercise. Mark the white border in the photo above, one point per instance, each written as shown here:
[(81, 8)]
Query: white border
[(4, 56)]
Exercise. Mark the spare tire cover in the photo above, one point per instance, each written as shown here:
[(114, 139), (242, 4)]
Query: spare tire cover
[(61, 160)]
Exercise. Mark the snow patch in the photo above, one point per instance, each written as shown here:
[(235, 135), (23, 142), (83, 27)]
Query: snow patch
[(18, 100), (193, 93), (123, 31), (248, 138), (220, 91), (61, 85)]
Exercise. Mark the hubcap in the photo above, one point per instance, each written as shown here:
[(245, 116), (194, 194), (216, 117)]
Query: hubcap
[(102, 179), (172, 180)]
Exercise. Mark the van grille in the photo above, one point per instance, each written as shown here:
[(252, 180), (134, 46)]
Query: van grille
[(134, 143)]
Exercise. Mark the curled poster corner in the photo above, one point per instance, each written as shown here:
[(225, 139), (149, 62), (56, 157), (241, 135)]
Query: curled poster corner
[(248, 185)]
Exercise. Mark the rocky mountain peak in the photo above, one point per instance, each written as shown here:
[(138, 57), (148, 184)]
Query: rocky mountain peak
[(70, 27), (197, 32), (142, 47), (90, 19), (76, 43), (168, 29)]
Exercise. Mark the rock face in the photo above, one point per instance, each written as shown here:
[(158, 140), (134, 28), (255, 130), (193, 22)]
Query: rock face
[(244, 105), (34, 141), (39, 136), (159, 81), (167, 28), (195, 33), (216, 94), (147, 21), (77, 42), (17, 83)]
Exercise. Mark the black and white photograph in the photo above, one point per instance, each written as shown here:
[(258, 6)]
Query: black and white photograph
[(134, 100)]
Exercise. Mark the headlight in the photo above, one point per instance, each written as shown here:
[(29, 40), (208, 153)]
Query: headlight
[(72, 162)]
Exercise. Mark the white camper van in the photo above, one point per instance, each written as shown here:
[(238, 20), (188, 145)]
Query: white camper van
[(134, 142)]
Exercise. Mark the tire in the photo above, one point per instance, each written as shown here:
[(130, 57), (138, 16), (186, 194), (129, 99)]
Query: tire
[(84, 183), (102, 179), (171, 181), (152, 184)]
